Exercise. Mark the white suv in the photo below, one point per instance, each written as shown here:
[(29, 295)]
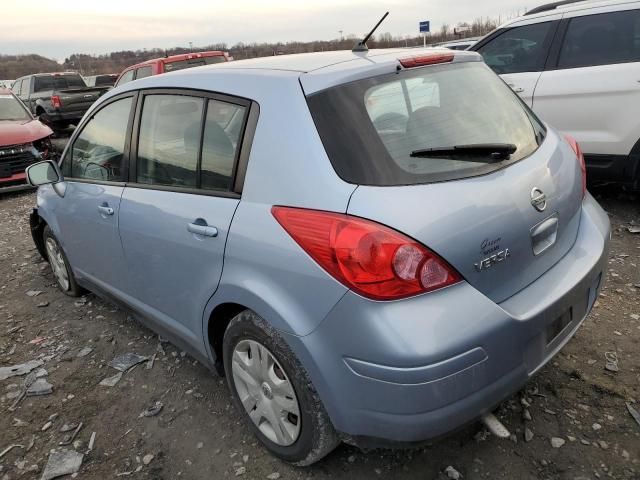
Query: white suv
[(577, 64)]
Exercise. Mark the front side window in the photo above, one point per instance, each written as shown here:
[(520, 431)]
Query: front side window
[(602, 39), (143, 72), (424, 125), (97, 152), (519, 49), (17, 87), (126, 78), (169, 140)]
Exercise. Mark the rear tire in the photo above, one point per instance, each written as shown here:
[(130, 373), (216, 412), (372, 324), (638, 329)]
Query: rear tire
[(302, 439), (60, 265)]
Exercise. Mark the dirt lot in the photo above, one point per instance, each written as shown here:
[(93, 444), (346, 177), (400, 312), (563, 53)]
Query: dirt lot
[(199, 435)]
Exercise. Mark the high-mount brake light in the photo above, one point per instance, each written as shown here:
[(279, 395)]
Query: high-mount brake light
[(580, 156), (427, 59), (373, 260)]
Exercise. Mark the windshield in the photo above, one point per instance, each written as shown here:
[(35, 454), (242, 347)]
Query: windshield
[(12, 109), (371, 127), (58, 82)]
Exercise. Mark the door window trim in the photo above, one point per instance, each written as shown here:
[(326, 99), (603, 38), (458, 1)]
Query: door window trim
[(242, 150), (127, 142)]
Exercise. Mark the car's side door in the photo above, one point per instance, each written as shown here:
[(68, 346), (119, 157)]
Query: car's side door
[(95, 168), (518, 54), (177, 208), (592, 90)]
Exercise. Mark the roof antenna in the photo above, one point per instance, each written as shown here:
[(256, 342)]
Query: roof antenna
[(361, 46)]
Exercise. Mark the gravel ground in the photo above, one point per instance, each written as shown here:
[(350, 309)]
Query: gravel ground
[(573, 413)]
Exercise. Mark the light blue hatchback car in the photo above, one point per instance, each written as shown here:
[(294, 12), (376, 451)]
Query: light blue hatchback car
[(375, 247)]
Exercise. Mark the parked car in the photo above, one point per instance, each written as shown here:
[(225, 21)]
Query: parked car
[(578, 65), (6, 83), (104, 80), (57, 99), (462, 44), (171, 64), (362, 261), (23, 142)]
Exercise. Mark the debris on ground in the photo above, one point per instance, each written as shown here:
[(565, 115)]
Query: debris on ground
[(92, 441), (634, 413), (62, 462), (9, 448), (16, 370), (147, 458), (633, 229), (111, 381), (67, 427), (33, 293), (452, 473), (68, 439), (557, 442), (84, 352), (611, 361), (125, 361), (39, 387), (528, 435), (152, 411)]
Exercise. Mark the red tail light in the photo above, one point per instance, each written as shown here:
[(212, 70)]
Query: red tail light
[(428, 59), (583, 168), (55, 101), (371, 259)]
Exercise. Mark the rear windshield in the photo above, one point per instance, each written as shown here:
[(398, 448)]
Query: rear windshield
[(58, 82), (194, 62), (11, 109), (373, 129), (105, 80)]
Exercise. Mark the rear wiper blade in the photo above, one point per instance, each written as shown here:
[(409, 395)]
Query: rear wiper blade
[(488, 152)]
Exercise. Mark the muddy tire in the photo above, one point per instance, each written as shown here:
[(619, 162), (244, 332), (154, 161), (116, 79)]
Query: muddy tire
[(60, 265), (274, 393)]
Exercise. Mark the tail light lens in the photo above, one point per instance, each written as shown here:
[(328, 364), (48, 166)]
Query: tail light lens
[(55, 101), (583, 168), (371, 259)]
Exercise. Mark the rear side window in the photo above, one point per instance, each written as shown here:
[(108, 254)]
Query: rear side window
[(126, 78), (372, 129), (42, 84), (601, 39), (97, 152), (176, 149), (143, 72), (169, 140), (517, 50)]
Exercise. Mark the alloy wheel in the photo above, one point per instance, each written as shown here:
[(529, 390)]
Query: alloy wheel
[(57, 263)]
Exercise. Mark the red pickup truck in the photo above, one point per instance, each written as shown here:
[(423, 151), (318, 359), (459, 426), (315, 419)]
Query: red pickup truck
[(171, 64)]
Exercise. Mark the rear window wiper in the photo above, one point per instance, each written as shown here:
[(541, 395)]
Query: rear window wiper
[(481, 152)]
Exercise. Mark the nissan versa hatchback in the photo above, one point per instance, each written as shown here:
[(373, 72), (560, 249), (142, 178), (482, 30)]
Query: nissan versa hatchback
[(374, 247)]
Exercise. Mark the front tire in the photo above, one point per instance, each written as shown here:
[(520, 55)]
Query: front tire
[(60, 265), (274, 393)]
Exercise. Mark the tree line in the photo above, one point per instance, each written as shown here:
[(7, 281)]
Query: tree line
[(14, 66)]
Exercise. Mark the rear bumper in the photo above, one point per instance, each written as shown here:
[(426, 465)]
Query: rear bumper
[(416, 369)]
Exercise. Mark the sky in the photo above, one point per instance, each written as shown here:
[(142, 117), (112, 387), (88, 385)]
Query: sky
[(58, 28)]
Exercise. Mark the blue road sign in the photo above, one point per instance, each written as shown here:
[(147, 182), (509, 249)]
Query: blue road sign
[(424, 27)]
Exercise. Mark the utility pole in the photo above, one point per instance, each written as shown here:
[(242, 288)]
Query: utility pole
[(340, 32), (190, 47)]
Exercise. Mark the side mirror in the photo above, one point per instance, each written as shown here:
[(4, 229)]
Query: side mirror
[(43, 173)]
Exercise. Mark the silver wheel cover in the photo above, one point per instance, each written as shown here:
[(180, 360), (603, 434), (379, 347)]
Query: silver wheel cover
[(266, 392)]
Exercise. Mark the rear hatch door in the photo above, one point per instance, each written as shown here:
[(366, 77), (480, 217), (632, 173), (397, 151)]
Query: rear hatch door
[(501, 214)]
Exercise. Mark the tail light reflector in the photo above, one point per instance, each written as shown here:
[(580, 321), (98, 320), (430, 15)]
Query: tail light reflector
[(580, 156), (427, 59), (55, 101), (371, 259)]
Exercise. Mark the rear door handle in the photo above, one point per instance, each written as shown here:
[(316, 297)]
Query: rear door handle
[(204, 230), (105, 210)]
